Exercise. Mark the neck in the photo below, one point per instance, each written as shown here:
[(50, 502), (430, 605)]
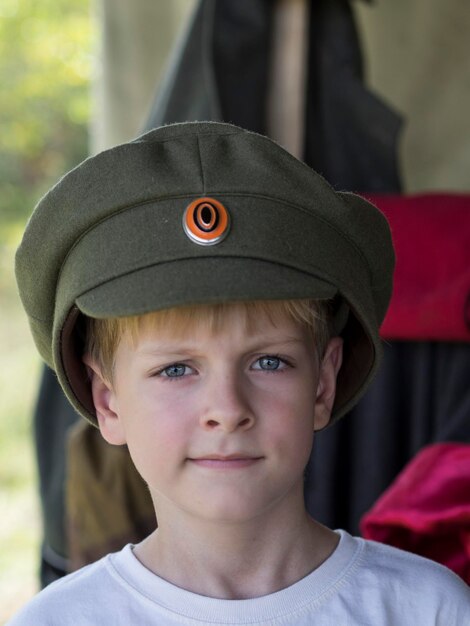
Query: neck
[(237, 560)]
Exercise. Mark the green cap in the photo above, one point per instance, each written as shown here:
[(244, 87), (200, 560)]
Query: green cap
[(198, 213)]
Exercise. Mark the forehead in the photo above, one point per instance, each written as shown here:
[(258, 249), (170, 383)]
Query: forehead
[(250, 318)]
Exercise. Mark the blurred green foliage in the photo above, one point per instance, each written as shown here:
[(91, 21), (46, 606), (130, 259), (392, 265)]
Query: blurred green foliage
[(45, 68), (45, 71)]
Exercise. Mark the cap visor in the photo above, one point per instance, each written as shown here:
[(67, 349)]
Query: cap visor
[(200, 281)]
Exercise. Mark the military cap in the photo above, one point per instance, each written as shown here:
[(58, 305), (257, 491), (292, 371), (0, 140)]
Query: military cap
[(201, 212)]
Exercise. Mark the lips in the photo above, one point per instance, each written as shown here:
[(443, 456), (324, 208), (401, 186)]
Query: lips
[(225, 461), (225, 457)]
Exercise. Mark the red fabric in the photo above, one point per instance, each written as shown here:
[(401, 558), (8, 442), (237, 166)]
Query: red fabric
[(426, 510), (431, 296)]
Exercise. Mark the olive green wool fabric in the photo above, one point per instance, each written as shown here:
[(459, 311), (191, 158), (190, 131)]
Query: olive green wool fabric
[(108, 240)]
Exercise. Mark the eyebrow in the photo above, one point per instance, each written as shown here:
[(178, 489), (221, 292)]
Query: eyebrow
[(272, 341), (164, 350), (173, 349)]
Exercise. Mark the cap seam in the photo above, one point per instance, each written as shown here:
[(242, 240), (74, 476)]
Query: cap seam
[(201, 166), (141, 140)]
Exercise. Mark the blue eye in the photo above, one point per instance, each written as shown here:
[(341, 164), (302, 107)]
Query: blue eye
[(174, 371), (268, 363)]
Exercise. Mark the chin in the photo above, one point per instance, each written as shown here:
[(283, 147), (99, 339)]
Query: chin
[(234, 510)]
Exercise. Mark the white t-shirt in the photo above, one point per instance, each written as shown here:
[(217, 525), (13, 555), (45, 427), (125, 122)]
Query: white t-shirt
[(363, 583)]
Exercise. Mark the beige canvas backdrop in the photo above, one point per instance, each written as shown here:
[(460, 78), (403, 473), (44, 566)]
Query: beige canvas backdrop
[(416, 55), (135, 40), (417, 58)]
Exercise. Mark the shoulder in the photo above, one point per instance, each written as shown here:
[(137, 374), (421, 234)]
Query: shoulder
[(419, 587), (406, 565), (68, 600)]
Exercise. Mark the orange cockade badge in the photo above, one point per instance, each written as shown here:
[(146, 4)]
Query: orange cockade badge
[(206, 221)]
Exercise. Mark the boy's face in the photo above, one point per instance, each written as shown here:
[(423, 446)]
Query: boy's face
[(220, 425)]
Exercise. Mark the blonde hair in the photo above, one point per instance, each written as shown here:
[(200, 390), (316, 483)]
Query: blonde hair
[(103, 335)]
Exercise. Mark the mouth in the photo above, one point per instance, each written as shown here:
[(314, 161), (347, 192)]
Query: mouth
[(231, 461)]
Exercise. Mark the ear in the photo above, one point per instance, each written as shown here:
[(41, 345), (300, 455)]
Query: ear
[(326, 390), (104, 399)]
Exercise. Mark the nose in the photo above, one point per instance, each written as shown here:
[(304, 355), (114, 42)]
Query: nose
[(227, 406)]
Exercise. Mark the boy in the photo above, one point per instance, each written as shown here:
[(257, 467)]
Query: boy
[(209, 301)]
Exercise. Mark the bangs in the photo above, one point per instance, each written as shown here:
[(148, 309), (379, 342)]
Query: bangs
[(104, 335)]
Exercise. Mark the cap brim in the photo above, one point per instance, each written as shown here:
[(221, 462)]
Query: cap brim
[(200, 281)]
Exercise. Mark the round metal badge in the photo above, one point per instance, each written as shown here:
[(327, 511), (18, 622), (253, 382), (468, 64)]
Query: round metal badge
[(206, 221)]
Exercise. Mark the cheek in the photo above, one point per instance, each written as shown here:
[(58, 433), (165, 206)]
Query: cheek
[(157, 427), (156, 432), (158, 449), (293, 438), (288, 422), (289, 397)]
